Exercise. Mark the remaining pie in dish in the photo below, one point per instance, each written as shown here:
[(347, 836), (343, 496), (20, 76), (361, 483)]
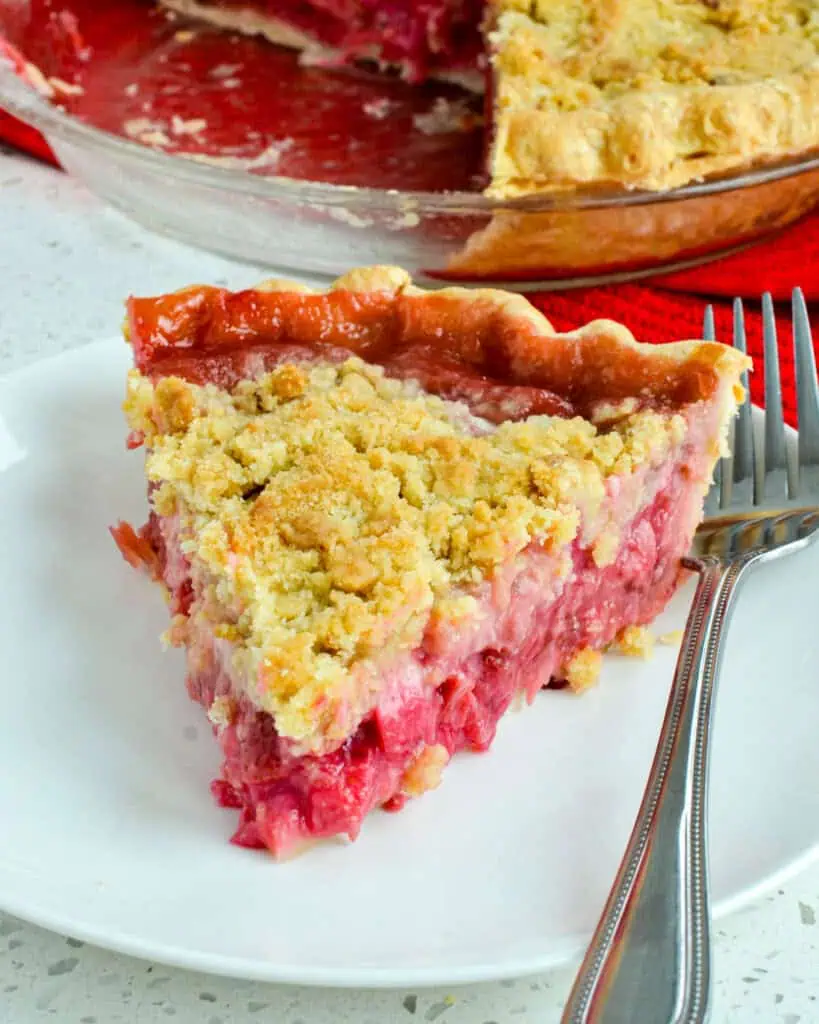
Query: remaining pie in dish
[(382, 514), (643, 93)]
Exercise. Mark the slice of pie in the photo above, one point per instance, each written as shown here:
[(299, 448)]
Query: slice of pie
[(639, 93), (382, 514)]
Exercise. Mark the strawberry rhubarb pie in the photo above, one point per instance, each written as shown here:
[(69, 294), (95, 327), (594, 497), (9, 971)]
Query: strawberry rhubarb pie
[(640, 93), (381, 515)]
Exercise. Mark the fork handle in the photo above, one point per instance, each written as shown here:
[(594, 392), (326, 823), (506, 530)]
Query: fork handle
[(650, 956)]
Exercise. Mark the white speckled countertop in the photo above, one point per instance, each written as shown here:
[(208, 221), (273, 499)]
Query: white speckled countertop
[(65, 264)]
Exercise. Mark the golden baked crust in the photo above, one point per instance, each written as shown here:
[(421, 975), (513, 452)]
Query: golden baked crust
[(648, 93), (504, 321), (638, 236)]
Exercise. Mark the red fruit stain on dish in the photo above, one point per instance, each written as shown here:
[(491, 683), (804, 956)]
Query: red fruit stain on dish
[(139, 72)]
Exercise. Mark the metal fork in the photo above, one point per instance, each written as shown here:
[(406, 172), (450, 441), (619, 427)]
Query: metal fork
[(649, 961)]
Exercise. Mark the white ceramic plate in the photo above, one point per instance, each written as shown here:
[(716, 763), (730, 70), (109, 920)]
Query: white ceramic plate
[(108, 831)]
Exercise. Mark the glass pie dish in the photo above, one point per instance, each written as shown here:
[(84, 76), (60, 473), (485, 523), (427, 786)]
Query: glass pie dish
[(404, 192)]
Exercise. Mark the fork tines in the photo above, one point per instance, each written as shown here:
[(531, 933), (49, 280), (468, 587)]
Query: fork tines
[(749, 477), (807, 398)]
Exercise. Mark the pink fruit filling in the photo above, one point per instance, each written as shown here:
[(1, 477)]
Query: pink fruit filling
[(450, 693), (424, 38)]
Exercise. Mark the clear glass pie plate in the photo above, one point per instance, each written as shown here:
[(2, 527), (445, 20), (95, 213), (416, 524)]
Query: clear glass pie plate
[(290, 223)]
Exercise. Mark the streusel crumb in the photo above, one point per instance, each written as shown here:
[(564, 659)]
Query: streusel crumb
[(425, 771), (636, 642), (583, 670), (329, 512), (222, 711)]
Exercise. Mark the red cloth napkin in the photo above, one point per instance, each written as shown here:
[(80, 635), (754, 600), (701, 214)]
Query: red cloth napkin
[(667, 307), (17, 133)]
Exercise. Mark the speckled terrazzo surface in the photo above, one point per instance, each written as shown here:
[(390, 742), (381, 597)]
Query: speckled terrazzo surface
[(65, 264)]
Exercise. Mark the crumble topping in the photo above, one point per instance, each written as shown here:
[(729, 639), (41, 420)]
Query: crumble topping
[(649, 93), (604, 549), (636, 642), (575, 53), (583, 670), (222, 711), (176, 635), (424, 772), (330, 513)]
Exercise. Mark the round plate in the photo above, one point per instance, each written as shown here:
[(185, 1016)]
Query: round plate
[(110, 833)]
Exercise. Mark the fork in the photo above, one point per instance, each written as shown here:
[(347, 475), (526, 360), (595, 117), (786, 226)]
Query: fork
[(649, 961)]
